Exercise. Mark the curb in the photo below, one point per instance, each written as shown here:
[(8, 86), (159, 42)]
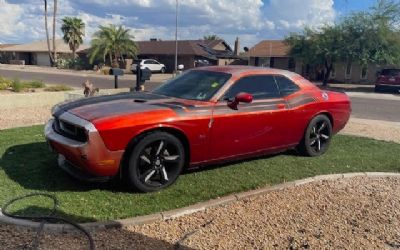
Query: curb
[(202, 206)]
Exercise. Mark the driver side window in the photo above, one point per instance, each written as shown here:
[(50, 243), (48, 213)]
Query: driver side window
[(260, 86)]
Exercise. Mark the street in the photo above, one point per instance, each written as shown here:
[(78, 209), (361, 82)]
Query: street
[(374, 108), (102, 82)]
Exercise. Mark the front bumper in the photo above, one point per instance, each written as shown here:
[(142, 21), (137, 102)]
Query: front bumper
[(388, 87), (89, 161)]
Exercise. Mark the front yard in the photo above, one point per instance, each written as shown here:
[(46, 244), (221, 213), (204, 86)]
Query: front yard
[(27, 166)]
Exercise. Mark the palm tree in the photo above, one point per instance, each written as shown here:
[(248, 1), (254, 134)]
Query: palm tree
[(54, 31), (73, 29), (47, 33), (114, 41), (211, 37)]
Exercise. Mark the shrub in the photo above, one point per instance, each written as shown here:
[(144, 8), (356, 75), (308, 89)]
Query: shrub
[(17, 85), (5, 83), (105, 70), (35, 84), (58, 88), (70, 63)]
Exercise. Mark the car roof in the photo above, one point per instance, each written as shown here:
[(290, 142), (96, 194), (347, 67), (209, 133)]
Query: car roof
[(241, 69)]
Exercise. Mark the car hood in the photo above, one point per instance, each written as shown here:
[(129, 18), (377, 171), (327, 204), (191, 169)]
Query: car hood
[(116, 105)]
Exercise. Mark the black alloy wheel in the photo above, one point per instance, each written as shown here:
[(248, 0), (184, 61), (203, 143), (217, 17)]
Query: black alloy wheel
[(317, 136), (156, 162)]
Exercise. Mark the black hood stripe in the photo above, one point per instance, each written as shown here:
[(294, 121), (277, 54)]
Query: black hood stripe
[(142, 96)]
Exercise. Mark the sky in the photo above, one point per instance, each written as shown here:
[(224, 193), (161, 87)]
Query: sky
[(22, 21)]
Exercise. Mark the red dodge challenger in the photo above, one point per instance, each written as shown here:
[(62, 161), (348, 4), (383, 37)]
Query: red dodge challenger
[(205, 116)]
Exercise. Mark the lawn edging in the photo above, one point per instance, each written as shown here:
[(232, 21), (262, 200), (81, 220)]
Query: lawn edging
[(202, 206)]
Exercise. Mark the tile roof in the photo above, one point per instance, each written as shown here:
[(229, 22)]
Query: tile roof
[(41, 46), (203, 48), (269, 48), (6, 45)]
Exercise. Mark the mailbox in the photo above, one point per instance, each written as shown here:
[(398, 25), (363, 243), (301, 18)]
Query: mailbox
[(116, 72), (145, 75)]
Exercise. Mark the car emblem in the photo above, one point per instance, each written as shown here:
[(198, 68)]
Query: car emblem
[(325, 96)]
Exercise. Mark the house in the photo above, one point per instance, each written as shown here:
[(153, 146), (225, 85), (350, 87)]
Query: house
[(191, 53), (271, 53), (36, 53), (274, 54)]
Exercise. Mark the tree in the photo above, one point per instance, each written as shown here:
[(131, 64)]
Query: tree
[(54, 31), (52, 55), (318, 47), (364, 37), (47, 33), (74, 30), (211, 37), (114, 41)]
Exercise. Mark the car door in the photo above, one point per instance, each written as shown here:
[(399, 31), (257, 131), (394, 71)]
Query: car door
[(157, 65), (254, 127), (147, 65), (153, 65)]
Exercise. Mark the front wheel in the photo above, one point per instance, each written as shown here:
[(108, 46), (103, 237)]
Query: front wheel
[(156, 162), (163, 70), (317, 137)]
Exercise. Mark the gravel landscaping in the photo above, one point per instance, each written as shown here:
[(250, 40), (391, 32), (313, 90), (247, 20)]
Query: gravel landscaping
[(358, 213)]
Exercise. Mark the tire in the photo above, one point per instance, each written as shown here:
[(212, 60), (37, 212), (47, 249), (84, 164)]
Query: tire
[(156, 162), (317, 137), (377, 89), (163, 70)]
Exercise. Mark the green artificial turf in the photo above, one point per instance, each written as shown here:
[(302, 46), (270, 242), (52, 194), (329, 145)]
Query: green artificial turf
[(27, 166)]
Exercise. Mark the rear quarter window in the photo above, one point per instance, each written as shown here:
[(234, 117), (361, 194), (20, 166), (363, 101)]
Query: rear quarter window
[(286, 86)]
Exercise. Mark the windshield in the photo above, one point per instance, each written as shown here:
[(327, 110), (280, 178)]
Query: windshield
[(194, 85)]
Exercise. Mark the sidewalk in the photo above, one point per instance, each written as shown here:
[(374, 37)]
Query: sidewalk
[(84, 73)]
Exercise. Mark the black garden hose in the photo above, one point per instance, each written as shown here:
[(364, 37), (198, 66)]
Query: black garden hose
[(50, 218)]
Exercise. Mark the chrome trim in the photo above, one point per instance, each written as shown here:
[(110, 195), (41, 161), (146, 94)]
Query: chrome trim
[(52, 135), (388, 85), (55, 109), (75, 120)]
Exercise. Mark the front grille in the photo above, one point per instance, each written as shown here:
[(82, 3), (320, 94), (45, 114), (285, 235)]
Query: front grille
[(69, 130)]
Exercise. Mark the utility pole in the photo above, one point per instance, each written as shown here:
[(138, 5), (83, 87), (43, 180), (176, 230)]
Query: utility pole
[(176, 37)]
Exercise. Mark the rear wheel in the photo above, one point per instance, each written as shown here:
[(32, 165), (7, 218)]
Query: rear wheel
[(377, 89), (156, 162), (317, 137)]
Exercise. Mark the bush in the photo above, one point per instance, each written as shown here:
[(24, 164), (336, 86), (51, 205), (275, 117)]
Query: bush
[(105, 70), (35, 84), (5, 83), (70, 63), (17, 85), (58, 88)]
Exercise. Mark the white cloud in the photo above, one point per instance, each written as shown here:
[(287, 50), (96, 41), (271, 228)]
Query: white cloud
[(10, 16), (295, 14), (251, 20)]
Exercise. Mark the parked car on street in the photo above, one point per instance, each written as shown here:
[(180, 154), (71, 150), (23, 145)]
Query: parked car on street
[(150, 64), (388, 80), (204, 116)]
